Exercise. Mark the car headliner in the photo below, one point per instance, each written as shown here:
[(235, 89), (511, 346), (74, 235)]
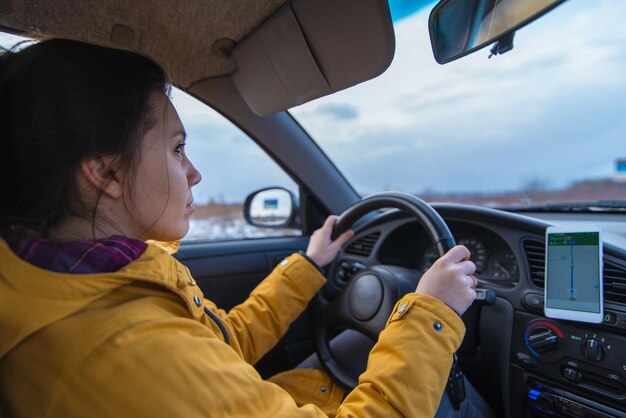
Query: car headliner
[(280, 57), (184, 37), (210, 80)]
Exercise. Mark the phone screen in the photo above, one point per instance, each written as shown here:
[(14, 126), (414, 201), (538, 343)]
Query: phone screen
[(573, 280)]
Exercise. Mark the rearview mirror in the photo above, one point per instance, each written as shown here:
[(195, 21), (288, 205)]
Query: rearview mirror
[(460, 27)]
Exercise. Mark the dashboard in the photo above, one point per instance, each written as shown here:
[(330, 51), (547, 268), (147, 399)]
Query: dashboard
[(525, 364), (494, 259)]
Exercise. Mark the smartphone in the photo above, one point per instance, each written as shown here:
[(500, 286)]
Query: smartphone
[(573, 282)]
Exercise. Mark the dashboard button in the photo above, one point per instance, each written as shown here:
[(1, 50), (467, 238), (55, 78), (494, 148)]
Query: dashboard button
[(614, 376), (533, 301), (525, 359), (610, 318), (572, 374)]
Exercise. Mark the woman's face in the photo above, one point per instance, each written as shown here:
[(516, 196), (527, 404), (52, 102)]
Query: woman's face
[(161, 198)]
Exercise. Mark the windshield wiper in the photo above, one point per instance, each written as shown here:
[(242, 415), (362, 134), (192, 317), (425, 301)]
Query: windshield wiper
[(605, 206)]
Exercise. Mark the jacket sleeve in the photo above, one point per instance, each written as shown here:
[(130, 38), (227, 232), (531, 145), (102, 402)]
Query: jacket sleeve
[(408, 368), (176, 367), (262, 319)]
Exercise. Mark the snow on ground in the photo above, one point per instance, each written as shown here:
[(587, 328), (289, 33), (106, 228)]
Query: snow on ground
[(218, 228)]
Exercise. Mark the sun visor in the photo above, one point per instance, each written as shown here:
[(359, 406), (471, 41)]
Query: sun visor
[(312, 48)]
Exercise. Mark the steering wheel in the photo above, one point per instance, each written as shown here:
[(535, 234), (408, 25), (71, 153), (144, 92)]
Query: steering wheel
[(368, 299)]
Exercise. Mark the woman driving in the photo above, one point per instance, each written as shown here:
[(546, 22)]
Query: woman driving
[(96, 316)]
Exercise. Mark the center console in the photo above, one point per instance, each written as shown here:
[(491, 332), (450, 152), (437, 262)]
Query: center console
[(568, 369)]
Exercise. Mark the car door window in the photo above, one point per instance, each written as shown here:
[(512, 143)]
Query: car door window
[(232, 166)]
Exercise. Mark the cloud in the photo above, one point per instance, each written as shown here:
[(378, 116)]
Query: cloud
[(506, 147), (551, 109), (338, 111), (195, 112)]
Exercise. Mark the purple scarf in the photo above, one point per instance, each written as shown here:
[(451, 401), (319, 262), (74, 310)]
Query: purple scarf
[(77, 257)]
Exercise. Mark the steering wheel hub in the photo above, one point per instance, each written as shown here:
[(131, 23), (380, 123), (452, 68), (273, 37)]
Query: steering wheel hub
[(366, 296)]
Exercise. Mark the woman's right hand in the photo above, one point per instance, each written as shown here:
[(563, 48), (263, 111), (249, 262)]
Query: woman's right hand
[(451, 280)]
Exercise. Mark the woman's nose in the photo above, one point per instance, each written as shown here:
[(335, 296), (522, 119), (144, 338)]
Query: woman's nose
[(193, 176)]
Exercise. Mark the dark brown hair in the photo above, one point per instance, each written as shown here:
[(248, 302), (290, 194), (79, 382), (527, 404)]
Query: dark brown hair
[(61, 101)]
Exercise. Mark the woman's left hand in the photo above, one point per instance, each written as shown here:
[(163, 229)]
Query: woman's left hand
[(321, 249)]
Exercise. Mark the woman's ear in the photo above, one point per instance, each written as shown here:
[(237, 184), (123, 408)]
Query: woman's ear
[(100, 173)]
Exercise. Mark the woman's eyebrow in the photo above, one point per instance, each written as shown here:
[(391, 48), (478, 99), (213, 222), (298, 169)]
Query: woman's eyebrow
[(180, 132)]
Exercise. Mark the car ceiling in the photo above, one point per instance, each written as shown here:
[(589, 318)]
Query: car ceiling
[(282, 54), (156, 28)]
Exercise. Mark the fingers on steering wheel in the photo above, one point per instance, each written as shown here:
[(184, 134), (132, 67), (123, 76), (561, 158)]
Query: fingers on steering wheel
[(343, 238), (457, 254), (473, 281), (330, 221), (468, 267)]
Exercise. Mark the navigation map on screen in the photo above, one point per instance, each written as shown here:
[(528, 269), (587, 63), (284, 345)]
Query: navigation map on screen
[(573, 276)]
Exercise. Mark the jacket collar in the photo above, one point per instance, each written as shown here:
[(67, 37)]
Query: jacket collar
[(31, 298)]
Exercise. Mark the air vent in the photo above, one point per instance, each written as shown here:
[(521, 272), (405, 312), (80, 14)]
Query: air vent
[(614, 274), (363, 246), (536, 255), (614, 282)]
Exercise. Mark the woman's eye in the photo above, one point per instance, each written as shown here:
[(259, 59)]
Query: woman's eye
[(180, 149)]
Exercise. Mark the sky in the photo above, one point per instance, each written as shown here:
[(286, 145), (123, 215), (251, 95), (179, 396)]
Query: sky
[(549, 112)]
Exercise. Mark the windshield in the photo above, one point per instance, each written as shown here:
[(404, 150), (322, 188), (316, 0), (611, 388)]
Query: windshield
[(542, 123)]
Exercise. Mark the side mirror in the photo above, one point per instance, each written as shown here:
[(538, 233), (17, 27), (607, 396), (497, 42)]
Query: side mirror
[(460, 27), (273, 207)]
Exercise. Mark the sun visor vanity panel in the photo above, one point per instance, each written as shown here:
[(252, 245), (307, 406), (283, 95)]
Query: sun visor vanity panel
[(312, 48), (356, 41), (275, 66)]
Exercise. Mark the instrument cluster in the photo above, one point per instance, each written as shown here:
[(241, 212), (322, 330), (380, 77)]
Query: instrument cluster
[(495, 261)]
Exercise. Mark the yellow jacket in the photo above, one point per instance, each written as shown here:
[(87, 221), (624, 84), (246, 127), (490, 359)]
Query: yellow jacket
[(137, 343)]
